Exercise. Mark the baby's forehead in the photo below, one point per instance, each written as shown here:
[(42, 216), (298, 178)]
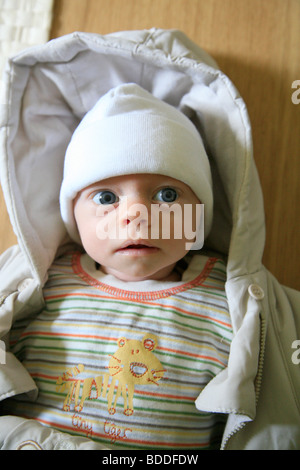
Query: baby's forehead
[(144, 179)]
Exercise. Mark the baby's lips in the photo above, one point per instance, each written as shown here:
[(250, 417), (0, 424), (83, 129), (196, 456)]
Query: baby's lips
[(136, 244)]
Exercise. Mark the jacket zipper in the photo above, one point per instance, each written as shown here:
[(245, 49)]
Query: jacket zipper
[(258, 379)]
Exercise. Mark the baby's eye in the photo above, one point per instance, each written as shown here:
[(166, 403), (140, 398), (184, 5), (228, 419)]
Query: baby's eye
[(105, 197), (166, 195)]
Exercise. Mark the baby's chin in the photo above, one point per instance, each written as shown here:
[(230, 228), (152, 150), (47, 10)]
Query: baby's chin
[(164, 274)]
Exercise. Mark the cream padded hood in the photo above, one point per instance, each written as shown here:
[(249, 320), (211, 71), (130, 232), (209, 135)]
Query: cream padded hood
[(48, 90)]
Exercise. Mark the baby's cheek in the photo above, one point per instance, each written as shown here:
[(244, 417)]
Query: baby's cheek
[(106, 223), (104, 209)]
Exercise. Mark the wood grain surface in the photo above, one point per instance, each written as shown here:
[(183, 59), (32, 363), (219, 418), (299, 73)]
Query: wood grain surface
[(257, 44)]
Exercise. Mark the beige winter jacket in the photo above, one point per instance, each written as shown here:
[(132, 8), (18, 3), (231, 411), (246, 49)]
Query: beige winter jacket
[(48, 90)]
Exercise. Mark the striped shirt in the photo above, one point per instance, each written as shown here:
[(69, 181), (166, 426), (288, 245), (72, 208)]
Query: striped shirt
[(124, 367)]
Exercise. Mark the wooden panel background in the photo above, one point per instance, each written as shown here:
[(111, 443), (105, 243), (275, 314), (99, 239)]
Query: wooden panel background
[(257, 44)]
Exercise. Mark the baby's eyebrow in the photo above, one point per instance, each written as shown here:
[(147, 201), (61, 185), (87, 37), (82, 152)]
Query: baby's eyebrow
[(102, 188)]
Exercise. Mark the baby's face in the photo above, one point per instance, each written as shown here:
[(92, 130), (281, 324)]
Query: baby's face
[(133, 225)]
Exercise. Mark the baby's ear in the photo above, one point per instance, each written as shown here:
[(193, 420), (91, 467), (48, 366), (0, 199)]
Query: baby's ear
[(122, 342), (150, 342)]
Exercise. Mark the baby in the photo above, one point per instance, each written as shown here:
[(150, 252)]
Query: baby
[(137, 323)]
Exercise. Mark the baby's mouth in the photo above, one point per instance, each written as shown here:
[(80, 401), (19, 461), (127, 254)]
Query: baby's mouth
[(133, 247), (137, 248)]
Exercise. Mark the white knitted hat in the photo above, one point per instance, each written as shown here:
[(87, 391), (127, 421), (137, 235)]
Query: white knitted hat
[(129, 131)]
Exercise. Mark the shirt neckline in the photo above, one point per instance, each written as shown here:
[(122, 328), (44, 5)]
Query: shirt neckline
[(84, 269)]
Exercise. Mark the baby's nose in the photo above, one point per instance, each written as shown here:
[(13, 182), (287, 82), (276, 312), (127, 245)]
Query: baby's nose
[(136, 209)]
